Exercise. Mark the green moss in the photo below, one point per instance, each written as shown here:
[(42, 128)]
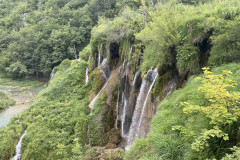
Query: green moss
[(124, 48)]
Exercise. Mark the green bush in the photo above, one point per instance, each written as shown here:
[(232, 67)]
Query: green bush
[(85, 53), (188, 58), (115, 30), (5, 101), (226, 45)]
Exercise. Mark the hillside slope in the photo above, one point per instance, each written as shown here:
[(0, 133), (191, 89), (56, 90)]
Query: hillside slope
[(126, 88)]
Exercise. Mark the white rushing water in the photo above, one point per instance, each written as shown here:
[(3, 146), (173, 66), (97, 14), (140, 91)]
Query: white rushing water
[(117, 107), (86, 78), (124, 100), (91, 105), (18, 148), (126, 57), (52, 75), (99, 55), (141, 104), (172, 84), (105, 68), (135, 77), (130, 50), (24, 22), (144, 107)]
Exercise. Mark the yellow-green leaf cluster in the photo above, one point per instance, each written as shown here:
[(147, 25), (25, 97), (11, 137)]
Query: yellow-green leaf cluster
[(223, 108)]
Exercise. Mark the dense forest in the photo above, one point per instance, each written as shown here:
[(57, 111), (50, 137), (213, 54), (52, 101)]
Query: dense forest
[(126, 79)]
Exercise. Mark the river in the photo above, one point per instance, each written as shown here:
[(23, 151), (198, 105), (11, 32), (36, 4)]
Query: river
[(23, 96)]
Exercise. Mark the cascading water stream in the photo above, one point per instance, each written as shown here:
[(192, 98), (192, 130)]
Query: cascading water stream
[(141, 104), (126, 56), (137, 110), (18, 148), (105, 69), (52, 75), (99, 55), (124, 125), (86, 79), (127, 105), (91, 105), (135, 78), (124, 100), (130, 50), (172, 84), (144, 106), (117, 107), (24, 22)]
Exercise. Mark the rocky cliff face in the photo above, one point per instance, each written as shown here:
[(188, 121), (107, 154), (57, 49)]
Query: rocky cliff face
[(129, 97)]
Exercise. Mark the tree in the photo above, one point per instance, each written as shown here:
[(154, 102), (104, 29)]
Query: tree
[(17, 69), (223, 108)]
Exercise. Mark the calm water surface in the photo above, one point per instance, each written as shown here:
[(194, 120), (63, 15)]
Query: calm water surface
[(23, 97)]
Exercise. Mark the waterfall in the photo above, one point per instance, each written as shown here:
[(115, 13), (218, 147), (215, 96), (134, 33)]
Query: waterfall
[(135, 77), (103, 64), (24, 22), (74, 52), (126, 56), (171, 85), (91, 105), (52, 75), (99, 55), (130, 50), (86, 79), (124, 100), (144, 106), (18, 148), (136, 130), (117, 107), (105, 69), (170, 90), (125, 103)]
